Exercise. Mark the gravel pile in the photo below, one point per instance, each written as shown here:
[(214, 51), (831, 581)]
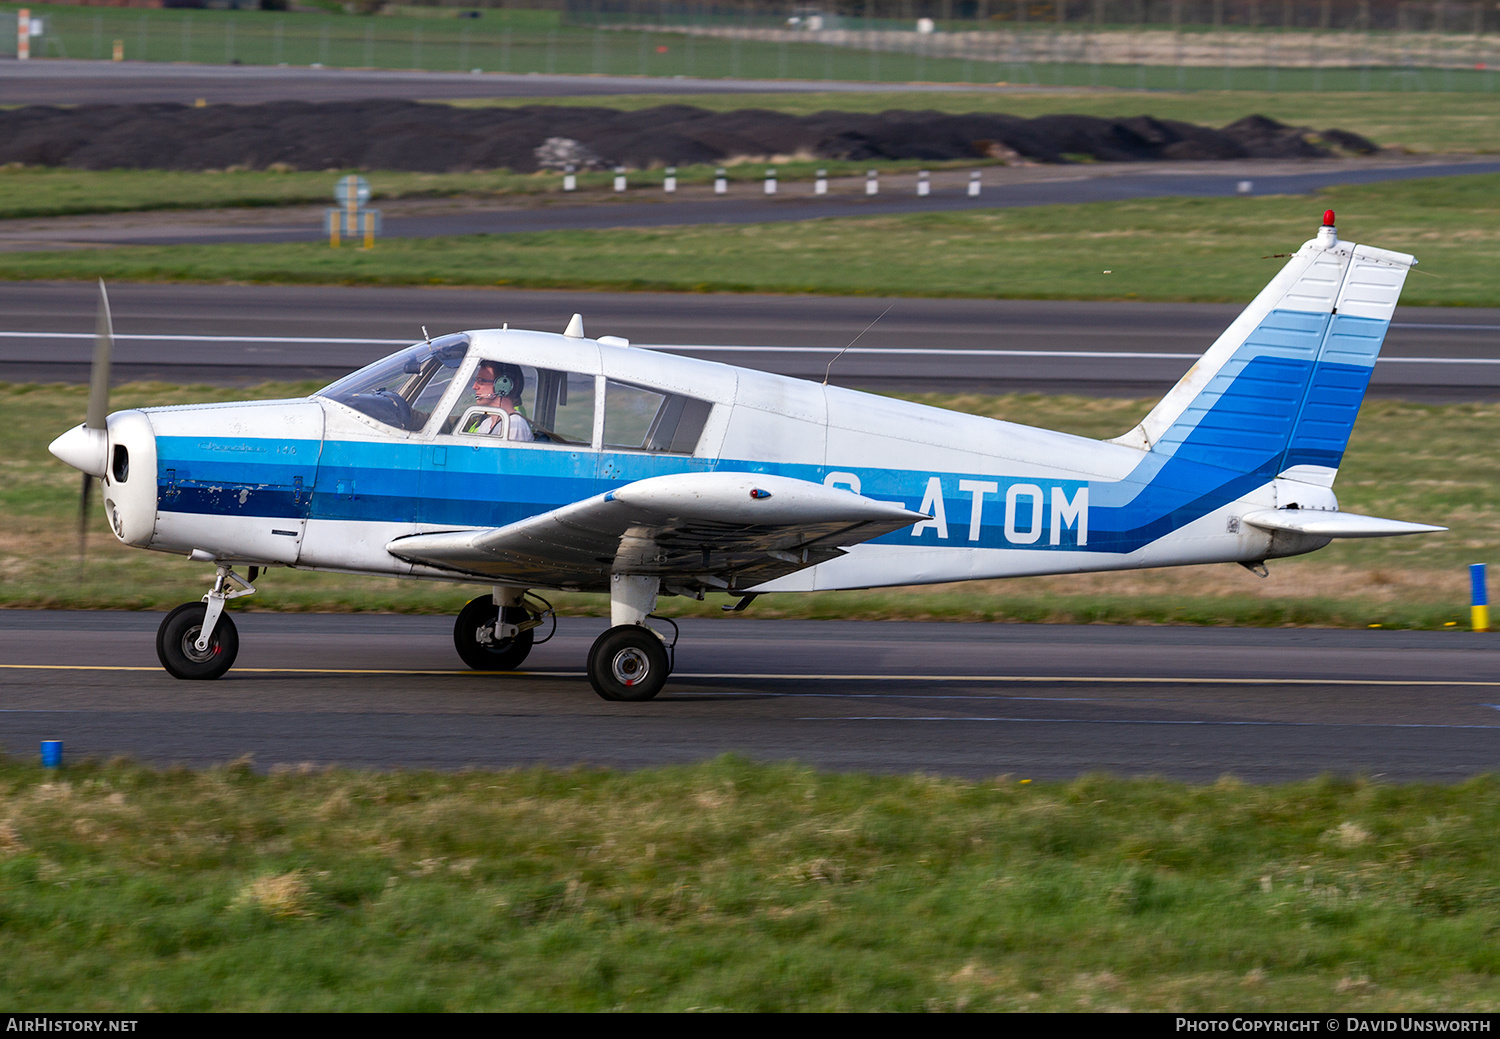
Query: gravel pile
[(406, 135)]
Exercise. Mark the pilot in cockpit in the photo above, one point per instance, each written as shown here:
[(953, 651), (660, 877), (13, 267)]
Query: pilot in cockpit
[(498, 385)]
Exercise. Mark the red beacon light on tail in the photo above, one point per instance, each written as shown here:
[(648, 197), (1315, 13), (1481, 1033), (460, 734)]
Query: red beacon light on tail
[(1328, 236)]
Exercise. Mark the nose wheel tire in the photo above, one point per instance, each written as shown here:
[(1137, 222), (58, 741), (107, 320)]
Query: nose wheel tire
[(473, 636), (176, 644), (628, 662)]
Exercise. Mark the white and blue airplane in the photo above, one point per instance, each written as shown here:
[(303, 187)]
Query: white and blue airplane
[(527, 460)]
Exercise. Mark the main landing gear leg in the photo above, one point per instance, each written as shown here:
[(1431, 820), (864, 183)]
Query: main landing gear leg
[(198, 640), (629, 661)]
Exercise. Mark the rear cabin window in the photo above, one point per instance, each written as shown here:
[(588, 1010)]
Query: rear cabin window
[(641, 419)]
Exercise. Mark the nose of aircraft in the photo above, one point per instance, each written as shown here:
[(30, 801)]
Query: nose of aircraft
[(85, 449)]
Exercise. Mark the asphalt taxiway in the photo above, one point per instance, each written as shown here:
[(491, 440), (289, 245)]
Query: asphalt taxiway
[(956, 699), (242, 334), (63, 81)]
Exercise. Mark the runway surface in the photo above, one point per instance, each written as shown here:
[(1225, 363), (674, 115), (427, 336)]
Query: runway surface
[(242, 334), (55, 81), (968, 700)]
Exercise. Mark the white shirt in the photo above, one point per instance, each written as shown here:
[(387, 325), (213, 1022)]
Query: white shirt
[(520, 429)]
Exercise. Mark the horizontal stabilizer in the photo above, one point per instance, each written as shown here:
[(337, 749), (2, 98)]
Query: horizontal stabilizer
[(1325, 524)]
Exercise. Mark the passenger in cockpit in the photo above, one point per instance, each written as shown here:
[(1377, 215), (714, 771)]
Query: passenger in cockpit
[(500, 386)]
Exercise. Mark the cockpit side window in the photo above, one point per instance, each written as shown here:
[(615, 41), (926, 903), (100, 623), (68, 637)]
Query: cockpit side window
[(557, 407), (402, 389), (565, 407)]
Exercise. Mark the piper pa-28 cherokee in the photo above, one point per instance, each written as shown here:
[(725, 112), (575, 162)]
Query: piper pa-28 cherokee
[(529, 460)]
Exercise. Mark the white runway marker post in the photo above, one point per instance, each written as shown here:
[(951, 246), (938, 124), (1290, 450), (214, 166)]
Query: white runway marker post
[(570, 178), (820, 185), (924, 184), (619, 179), (872, 182), (771, 180), (974, 184), (669, 182), (721, 182)]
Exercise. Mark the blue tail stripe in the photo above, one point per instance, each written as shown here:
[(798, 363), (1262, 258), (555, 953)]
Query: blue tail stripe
[(1288, 396)]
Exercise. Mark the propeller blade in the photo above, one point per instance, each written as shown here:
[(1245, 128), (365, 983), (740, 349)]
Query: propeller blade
[(83, 515), (104, 346)]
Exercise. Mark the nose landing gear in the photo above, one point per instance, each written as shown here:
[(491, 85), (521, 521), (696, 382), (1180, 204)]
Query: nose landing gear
[(198, 640)]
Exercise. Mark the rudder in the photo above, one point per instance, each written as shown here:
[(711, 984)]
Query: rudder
[(1278, 392)]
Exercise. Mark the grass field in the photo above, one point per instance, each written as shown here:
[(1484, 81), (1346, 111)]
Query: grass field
[(1211, 250), (732, 886), (36, 191), (513, 41), (1408, 461)]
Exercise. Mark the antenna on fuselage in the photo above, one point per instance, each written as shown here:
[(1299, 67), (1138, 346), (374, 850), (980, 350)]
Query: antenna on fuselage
[(827, 371), (425, 337)]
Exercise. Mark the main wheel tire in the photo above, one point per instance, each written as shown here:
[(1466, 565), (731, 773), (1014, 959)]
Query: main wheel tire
[(628, 662), (176, 643), (499, 654)]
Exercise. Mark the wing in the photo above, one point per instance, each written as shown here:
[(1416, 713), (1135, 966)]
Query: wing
[(697, 531)]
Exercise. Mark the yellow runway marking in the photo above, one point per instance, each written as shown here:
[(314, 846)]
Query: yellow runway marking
[(742, 676)]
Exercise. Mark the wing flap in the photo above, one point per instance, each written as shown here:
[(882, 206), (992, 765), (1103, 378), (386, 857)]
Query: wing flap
[(700, 530), (1326, 524)]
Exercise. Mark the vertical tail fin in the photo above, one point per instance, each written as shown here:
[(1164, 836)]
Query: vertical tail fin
[(1278, 392)]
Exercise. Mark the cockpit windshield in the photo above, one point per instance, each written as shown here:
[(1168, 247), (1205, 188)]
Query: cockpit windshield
[(402, 390)]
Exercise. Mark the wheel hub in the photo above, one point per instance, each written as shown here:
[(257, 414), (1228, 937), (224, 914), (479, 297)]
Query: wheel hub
[(630, 667), (190, 645)]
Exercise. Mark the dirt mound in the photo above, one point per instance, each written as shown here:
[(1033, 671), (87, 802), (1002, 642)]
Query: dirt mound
[(406, 135)]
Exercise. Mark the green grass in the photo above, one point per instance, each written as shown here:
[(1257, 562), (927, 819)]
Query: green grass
[(1428, 463), (33, 191), (732, 886), (36, 191), (1211, 250), (519, 42)]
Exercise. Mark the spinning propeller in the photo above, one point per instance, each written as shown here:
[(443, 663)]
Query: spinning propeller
[(86, 447), (104, 348)]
